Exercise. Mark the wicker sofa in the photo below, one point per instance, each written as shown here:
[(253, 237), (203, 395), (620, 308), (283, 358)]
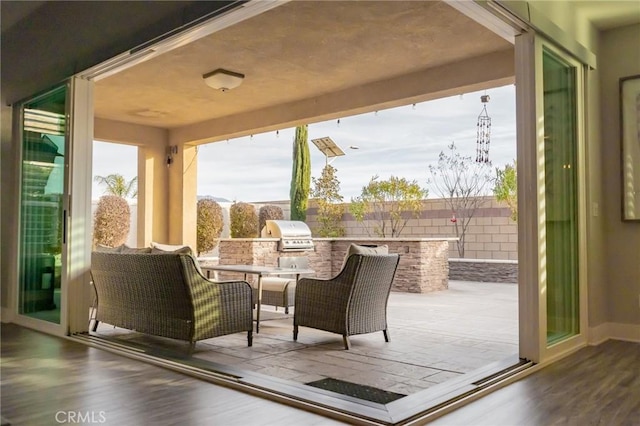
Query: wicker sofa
[(167, 295)]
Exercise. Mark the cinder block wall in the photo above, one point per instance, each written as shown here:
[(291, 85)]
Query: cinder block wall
[(491, 233)]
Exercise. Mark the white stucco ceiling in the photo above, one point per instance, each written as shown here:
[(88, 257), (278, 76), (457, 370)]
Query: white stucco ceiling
[(300, 50)]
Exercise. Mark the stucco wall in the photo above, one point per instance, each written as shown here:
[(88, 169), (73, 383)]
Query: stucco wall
[(622, 244), (613, 262)]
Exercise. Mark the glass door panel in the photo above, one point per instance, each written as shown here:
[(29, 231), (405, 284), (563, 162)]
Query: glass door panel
[(561, 168), (42, 210)]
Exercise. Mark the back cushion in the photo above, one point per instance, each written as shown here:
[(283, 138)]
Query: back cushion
[(358, 249), (134, 250), (107, 249), (179, 250), (157, 249), (171, 248)]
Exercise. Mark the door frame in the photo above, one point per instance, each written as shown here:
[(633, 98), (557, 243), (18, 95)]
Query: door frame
[(74, 288), (531, 201)]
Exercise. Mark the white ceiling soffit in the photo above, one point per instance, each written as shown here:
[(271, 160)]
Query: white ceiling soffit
[(136, 56)]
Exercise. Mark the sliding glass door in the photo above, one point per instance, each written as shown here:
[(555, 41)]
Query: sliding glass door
[(552, 210), (55, 133), (561, 168), (42, 205)]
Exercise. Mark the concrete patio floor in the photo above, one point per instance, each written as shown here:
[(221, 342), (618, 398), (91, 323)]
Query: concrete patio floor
[(434, 337)]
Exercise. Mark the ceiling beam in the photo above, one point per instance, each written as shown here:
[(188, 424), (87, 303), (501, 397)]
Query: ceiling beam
[(472, 74)]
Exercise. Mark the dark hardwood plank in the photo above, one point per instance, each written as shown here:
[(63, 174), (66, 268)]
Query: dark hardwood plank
[(43, 375), (598, 385)]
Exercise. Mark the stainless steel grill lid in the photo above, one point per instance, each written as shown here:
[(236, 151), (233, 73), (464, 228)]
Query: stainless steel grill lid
[(294, 235)]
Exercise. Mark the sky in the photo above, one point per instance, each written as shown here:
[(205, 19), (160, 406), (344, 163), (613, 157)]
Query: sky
[(399, 142)]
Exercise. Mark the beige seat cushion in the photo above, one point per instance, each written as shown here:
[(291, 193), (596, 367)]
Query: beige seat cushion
[(358, 249), (275, 283), (280, 283)]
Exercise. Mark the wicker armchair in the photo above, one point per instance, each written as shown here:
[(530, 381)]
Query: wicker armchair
[(166, 295), (353, 302)]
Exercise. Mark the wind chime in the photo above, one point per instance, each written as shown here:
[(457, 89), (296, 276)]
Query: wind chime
[(484, 133)]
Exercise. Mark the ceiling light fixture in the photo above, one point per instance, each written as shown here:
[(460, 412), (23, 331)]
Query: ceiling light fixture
[(223, 80)]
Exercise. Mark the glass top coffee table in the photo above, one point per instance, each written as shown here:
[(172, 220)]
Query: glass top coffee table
[(260, 271)]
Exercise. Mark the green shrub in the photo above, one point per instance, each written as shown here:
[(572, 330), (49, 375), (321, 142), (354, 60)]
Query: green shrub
[(209, 225), (506, 188), (269, 212), (244, 220), (326, 192), (111, 221), (388, 205)]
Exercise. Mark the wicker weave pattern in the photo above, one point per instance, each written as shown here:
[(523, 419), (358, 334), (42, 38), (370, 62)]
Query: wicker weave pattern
[(354, 302), (212, 316), (165, 295)]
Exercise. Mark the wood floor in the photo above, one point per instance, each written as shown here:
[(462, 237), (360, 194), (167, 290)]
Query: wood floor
[(598, 385), (44, 377)]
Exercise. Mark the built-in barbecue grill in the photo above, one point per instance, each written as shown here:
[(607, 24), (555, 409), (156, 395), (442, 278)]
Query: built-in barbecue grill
[(294, 235)]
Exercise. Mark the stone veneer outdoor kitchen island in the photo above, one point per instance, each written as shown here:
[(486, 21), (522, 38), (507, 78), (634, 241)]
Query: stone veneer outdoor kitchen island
[(423, 267)]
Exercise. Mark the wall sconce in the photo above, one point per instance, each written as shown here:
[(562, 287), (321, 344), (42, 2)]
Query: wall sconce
[(171, 151), (223, 80)]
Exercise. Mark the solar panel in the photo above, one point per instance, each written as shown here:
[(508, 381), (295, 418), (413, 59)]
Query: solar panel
[(328, 147)]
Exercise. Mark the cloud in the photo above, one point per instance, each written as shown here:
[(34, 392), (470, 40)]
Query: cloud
[(400, 141), (112, 158)]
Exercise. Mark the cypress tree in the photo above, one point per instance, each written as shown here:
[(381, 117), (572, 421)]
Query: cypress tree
[(300, 175)]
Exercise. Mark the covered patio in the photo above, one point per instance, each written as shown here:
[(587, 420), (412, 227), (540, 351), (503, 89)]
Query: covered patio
[(435, 337), (306, 62), (303, 62)]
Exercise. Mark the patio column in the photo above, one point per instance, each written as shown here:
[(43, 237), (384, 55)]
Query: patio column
[(183, 173), (153, 174), (153, 181)]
